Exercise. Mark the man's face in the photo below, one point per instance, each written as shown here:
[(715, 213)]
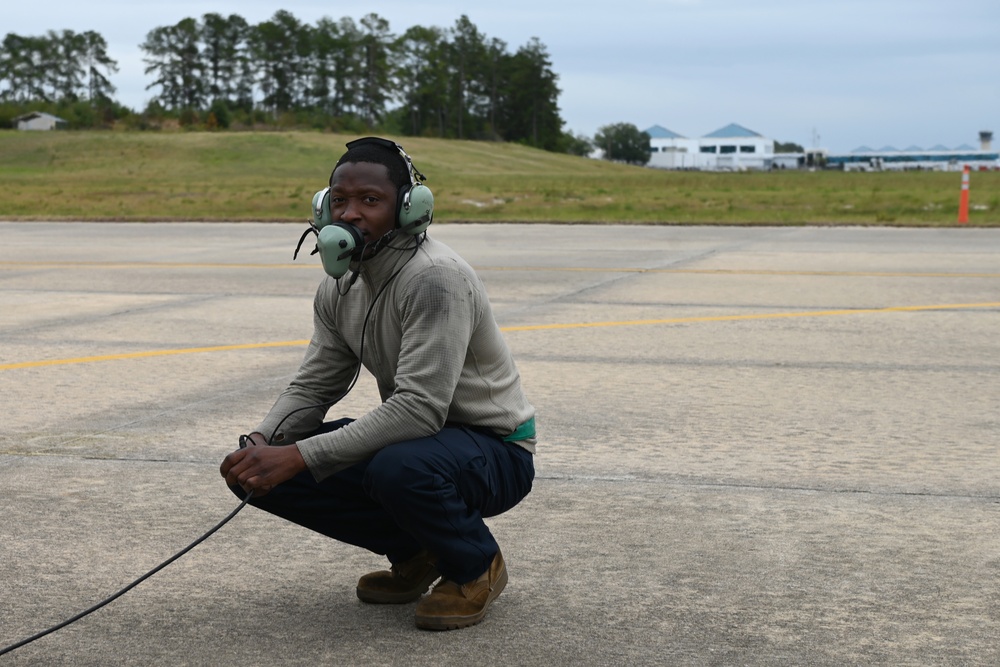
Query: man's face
[(362, 195)]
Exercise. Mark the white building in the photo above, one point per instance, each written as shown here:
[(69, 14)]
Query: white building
[(730, 148), (936, 158), (39, 120)]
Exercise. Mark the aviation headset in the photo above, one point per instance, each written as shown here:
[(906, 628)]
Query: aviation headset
[(339, 242)]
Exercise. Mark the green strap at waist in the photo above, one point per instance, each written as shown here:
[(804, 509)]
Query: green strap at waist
[(522, 432)]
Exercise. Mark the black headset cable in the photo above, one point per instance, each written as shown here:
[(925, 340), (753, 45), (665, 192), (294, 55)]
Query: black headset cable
[(112, 598)]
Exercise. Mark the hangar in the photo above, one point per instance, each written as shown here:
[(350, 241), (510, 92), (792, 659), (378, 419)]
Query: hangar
[(730, 148), (936, 158)]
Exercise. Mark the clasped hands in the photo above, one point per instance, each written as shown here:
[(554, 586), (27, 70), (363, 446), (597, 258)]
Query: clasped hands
[(258, 468)]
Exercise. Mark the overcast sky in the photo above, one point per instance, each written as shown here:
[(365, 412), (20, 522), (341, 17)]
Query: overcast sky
[(831, 73)]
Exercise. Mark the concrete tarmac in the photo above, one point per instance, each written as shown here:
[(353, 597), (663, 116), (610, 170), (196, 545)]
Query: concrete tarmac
[(757, 446)]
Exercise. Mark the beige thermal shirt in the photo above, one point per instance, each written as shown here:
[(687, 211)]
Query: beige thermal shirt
[(431, 343)]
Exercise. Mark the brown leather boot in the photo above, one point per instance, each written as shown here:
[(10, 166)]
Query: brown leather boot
[(403, 582), (451, 606)]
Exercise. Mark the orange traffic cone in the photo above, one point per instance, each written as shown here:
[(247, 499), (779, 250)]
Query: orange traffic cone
[(963, 202)]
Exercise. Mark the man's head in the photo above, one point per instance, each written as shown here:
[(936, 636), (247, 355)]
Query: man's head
[(373, 193), (361, 195), (365, 186), (384, 165), (377, 151)]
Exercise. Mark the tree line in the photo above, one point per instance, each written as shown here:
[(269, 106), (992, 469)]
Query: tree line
[(454, 82), (56, 66)]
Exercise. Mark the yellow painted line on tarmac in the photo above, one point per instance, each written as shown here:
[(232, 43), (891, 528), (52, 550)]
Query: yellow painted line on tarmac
[(759, 316), (536, 327), (147, 265), (150, 353), (749, 272), (569, 269)]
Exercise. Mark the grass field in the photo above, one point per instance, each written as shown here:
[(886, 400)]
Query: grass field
[(272, 176)]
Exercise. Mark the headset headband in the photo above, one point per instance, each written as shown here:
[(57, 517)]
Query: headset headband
[(415, 175)]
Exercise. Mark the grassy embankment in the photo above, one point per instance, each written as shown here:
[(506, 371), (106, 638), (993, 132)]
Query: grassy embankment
[(272, 176)]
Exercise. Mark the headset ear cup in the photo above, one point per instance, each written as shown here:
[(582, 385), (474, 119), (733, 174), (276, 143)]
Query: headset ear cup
[(416, 209), (321, 208)]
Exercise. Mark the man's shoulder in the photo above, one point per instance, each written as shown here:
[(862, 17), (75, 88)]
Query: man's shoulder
[(438, 267), (436, 253)]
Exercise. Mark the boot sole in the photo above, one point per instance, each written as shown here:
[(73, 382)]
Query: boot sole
[(457, 622)]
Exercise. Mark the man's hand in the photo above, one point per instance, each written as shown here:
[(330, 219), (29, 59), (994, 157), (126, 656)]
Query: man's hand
[(259, 468)]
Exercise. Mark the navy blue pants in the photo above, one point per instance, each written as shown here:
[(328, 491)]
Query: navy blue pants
[(429, 493)]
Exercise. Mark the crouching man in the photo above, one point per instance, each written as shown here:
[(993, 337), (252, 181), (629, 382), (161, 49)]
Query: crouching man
[(453, 439)]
